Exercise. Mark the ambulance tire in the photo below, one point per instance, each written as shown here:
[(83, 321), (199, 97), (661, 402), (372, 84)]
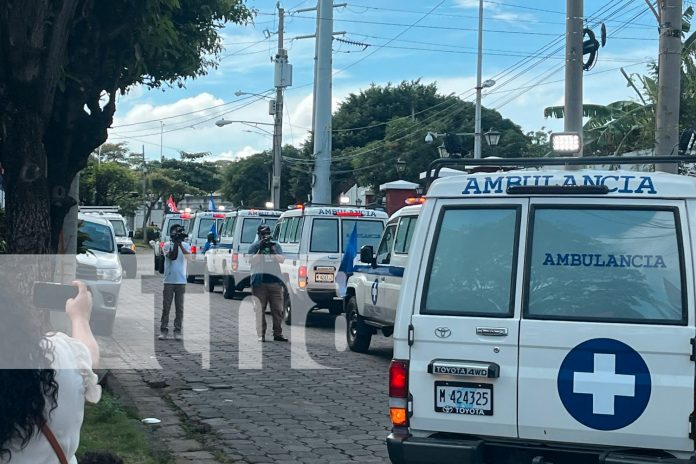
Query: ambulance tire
[(358, 335), (209, 282), (228, 287), (287, 308)]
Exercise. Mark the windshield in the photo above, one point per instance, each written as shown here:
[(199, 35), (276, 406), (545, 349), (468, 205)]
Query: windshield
[(119, 227), (95, 237)]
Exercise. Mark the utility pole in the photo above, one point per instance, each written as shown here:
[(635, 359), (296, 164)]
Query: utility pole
[(161, 138), (281, 67), (144, 198), (572, 113), (477, 117), (668, 82), (321, 178)]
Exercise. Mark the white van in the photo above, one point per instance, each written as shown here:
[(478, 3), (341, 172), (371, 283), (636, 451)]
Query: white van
[(373, 289), (199, 226), (548, 317), (227, 262), (99, 266), (124, 236), (313, 239)]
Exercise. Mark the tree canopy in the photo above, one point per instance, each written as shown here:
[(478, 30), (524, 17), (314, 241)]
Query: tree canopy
[(62, 65)]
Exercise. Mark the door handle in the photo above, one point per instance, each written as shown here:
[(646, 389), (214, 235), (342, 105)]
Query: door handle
[(492, 331)]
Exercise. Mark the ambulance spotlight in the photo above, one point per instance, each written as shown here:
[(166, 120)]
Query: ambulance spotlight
[(344, 200), (566, 142), (269, 205)]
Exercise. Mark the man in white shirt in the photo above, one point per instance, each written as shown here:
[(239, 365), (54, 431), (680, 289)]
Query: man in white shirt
[(176, 254)]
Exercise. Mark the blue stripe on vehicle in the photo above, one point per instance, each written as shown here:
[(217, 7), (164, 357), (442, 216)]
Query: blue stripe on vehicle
[(395, 271)]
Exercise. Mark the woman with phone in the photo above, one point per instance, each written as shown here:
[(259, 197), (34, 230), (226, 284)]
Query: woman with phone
[(44, 380)]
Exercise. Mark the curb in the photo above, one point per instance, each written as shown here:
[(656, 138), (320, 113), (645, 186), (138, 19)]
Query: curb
[(170, 435)]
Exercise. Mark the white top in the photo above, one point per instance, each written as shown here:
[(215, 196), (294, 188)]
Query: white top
[(76, 383), (175, 271)]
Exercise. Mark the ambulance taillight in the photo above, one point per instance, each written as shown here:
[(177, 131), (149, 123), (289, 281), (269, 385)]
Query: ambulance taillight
[(398, 393)]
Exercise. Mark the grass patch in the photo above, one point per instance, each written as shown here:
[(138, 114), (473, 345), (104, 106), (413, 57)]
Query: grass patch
[(109, 427)]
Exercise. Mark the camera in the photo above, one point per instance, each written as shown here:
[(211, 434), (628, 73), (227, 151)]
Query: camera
[(267, 244), (179, 236)]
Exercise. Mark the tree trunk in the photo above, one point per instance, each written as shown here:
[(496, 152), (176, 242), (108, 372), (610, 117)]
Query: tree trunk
[(27, 199)]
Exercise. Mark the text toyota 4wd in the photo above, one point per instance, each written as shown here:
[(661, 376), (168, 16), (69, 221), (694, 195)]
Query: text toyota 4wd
[(548, 317)]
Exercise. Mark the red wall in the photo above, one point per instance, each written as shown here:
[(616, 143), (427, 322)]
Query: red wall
[(395, 199)]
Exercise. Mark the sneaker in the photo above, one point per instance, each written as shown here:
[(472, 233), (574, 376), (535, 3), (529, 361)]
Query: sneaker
[(177, 336), (163, 336), (279, 338)]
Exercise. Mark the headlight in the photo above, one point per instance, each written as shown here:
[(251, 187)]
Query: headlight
[(113, 274)]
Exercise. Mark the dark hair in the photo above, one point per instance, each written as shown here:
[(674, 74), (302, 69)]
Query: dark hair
[(100, 457), (27, 384), (174, 227), (263, 229)]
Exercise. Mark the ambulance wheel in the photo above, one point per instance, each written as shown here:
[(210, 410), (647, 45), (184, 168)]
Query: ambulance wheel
[(358, 334), (208, 282), (228, 287), (287, 309)]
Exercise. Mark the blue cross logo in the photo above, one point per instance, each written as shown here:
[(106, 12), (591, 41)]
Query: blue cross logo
[(374, 293), (604, 384)]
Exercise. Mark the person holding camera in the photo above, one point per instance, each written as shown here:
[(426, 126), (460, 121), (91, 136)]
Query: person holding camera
[(265, 257), (177, 253)]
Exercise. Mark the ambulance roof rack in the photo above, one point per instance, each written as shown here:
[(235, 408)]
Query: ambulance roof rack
[(435, 166)]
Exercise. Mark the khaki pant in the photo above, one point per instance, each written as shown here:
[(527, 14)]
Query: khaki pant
[(266, 294), (175, 292)]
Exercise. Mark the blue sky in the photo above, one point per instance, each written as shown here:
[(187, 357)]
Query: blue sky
[(431, 40)]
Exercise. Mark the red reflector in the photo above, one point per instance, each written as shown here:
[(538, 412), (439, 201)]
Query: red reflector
[(235, 261), (302, 272), (348, 213), (193, 249), (398, 379), (415, 201)]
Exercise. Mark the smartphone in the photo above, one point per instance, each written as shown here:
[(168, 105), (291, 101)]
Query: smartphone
[(53, 296)]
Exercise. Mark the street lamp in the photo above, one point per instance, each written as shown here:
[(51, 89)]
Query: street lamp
[(492, 137), (400, 166)]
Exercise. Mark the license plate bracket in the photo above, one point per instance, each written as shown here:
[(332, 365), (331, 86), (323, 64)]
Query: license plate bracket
[(470, 398)]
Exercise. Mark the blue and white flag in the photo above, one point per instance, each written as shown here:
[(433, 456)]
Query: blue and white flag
[(345, 270), (211, 204), (213, 230)]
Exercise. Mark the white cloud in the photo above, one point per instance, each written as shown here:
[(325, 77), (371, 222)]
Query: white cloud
[(245, 152)]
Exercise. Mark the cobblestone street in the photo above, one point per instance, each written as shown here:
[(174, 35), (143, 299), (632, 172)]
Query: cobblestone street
[(292, 402)]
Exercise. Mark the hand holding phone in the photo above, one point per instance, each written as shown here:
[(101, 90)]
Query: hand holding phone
[(53, 296), (80, 306)]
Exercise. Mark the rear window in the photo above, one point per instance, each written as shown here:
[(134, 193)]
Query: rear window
[(249, 227), (369, 232), (204, 227), (119, 227), (610, 265), (324, 236), (472, 263), (271, 223)]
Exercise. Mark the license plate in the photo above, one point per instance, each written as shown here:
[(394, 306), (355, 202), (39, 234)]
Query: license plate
[(474, 399), (324, 277)]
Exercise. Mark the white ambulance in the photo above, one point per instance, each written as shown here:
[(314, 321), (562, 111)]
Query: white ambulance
[(226, 262), (198, 227), (313, 239), (373, 288), (548, 317)]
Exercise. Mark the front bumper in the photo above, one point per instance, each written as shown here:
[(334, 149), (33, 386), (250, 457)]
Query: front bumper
[(406, 449)]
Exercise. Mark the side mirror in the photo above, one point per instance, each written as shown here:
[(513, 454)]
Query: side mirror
[(367, 254), (130, 234)]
